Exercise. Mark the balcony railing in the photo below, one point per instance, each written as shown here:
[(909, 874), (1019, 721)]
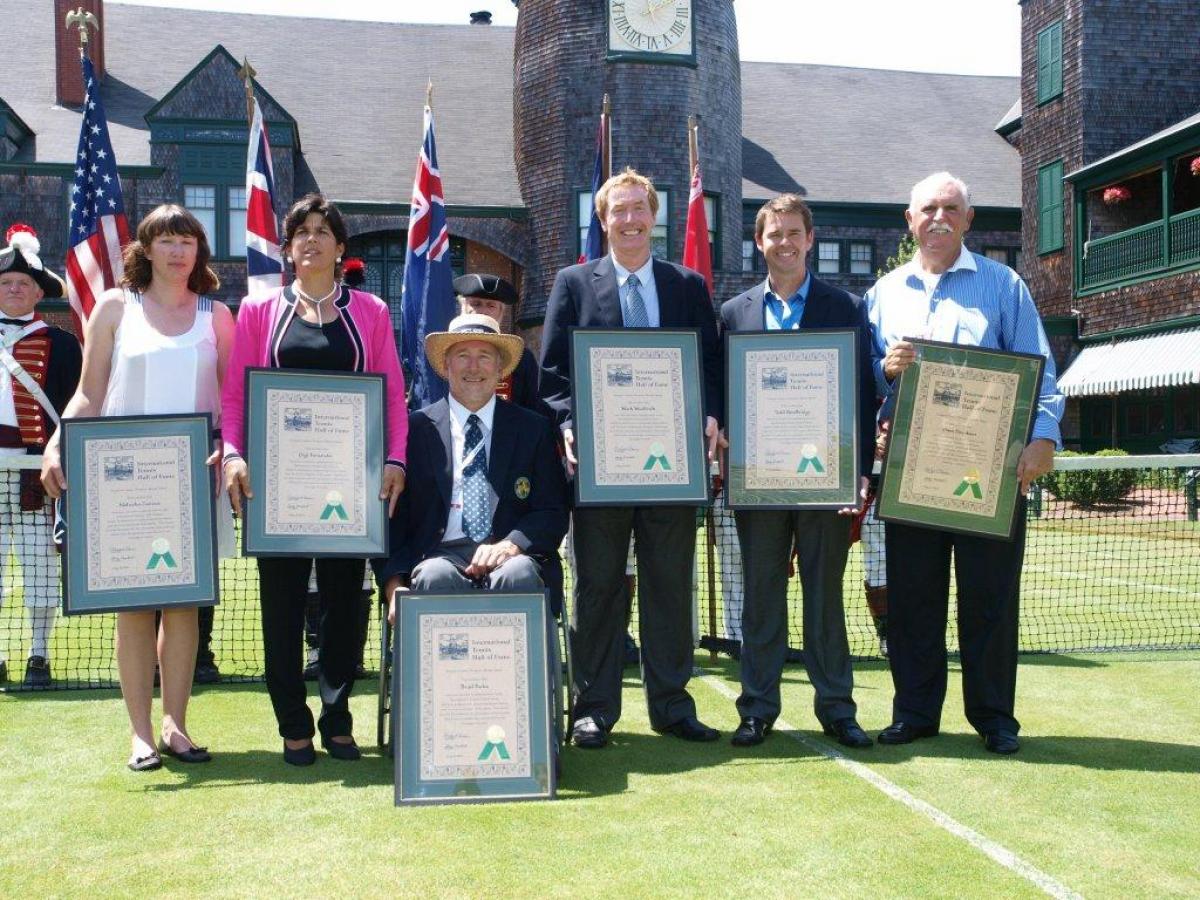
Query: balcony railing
[(1142, 251)]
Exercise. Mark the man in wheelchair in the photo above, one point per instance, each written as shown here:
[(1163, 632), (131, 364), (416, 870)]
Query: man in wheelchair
[(486, 502)]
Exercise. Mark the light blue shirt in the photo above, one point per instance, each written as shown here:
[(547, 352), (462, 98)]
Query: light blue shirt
[(774, 305), (977, 302), (649, 292)]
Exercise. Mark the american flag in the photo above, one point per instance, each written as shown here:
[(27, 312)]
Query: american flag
[(428, 299), (99, 228), (264, 262)]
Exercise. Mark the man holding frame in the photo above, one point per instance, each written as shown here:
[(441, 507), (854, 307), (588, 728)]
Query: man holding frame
[(630, 289), (947, 293), (792, 299)]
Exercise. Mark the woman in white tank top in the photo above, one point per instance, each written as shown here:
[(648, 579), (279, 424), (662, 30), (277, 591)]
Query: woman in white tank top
[(157, 345)]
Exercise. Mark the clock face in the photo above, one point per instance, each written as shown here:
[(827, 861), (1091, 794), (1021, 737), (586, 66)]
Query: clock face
[(650, 26)]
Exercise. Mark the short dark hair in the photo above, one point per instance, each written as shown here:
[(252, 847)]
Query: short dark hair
[(784, 204), (169, 218), (305, 207)]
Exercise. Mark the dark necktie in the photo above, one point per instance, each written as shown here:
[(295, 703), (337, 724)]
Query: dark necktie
[(637, 317), (475, 483)]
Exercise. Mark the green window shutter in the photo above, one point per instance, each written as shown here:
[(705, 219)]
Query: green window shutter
[(1050, 207), (1049, 62)]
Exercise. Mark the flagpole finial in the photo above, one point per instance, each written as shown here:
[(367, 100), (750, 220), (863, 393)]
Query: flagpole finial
[(429, 94), (607, 105), (83, 20), (246, 73)]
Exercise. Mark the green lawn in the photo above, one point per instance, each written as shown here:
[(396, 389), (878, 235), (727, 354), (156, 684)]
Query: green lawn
[(1102, 798)]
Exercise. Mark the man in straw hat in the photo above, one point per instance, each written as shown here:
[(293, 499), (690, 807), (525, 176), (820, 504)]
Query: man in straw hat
[(39, 371), (486, 502)]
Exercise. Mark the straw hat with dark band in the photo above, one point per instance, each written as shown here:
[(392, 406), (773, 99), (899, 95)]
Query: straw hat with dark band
[(473, 327)]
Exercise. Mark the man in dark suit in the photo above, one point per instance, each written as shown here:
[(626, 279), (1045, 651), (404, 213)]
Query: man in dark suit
[(790, 299), (630, 289), (486, 502)]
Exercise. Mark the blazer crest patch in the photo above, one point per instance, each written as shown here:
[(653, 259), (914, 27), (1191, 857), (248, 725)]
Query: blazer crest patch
[(521, 488)]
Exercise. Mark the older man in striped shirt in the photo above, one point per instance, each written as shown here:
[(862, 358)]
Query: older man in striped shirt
[(947, 293)]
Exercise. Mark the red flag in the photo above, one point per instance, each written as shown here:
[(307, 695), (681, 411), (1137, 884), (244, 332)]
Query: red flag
[(696, 254)]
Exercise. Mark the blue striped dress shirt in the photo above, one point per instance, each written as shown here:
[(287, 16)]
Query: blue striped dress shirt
[(977, 302)]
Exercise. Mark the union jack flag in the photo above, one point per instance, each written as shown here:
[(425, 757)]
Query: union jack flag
[(264, 262), (427, 303), (99, 228)]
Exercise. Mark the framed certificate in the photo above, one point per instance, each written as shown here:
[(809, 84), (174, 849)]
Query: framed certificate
[(963, 416), (139, 512), (471, 703), (315, 450), (639, 417), (793, 419)]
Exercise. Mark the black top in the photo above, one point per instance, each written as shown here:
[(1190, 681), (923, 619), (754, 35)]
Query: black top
[(306, 345)]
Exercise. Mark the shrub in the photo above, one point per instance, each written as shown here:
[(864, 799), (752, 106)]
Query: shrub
[(1091, 487)]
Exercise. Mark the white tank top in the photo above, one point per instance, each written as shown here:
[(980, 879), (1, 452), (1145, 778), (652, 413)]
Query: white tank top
[(153, 373)]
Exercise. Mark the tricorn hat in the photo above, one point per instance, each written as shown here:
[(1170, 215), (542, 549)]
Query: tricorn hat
[(490, 287), (473, 327), (21, 255)]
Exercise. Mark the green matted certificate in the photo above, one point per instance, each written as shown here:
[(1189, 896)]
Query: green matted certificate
[(472, 711), (792, 419), (639, 417), (963, 416), (315, 451), (140, 517)]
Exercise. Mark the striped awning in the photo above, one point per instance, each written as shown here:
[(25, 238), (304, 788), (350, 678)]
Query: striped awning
[(1134, 364)]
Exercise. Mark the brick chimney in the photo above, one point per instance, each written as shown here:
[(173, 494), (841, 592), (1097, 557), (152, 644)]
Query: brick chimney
[(68, 80), (483, 17)]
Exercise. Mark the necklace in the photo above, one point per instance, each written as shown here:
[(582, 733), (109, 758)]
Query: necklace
[(313, 301)]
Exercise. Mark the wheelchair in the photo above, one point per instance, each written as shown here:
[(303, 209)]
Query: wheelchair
[(561, 699)]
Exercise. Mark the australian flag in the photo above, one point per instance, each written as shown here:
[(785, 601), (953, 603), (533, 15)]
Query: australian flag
[(428, 299), (593, 247), (264, 262)]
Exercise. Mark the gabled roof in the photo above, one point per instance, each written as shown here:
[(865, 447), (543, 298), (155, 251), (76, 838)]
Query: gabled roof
[(834, 133), (356, 90)]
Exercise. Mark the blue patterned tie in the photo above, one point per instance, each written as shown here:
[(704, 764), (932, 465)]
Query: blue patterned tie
[(636, 314), (475, 483)]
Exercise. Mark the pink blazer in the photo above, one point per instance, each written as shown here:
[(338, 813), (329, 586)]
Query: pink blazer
[(261, 322)]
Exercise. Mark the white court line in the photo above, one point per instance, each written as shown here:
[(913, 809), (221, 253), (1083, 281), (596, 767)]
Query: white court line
[(1117, 582), (999, 854)]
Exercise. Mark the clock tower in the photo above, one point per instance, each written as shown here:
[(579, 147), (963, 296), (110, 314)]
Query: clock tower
[(659, 61)]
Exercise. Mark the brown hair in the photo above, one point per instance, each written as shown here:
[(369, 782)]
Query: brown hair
[(628, 178), (305, 207), (169, 218), (784, 204)]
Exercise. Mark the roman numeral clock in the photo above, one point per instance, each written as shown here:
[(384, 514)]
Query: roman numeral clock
[(660, 31)]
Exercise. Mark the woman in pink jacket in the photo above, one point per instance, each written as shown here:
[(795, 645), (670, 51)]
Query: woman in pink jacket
[(316, 322)]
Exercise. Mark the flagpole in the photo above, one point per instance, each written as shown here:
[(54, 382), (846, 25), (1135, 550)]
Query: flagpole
[(429, 94), (693, 146), (246, 73), (606, 165)]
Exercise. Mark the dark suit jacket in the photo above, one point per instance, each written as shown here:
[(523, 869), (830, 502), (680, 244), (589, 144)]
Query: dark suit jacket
[(587, 296), (826, 307), (522, 460)]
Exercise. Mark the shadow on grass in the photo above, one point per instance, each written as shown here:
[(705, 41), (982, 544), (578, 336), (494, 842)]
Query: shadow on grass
[(1110, 754)]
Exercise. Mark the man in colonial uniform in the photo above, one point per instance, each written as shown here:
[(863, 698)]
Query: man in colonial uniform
[(39, 371)]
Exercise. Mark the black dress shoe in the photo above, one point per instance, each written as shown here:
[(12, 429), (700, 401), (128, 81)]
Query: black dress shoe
[(37, 672), (904, 733), (206, 673), (751, 732), (692, 729), (589, 733), (341, 750), (301, 756), (1003, 742), (3, 671), (849, 734)]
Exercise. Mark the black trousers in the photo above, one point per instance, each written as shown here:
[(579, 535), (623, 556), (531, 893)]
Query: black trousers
[(988, 575), (283, 586), (665, 540)]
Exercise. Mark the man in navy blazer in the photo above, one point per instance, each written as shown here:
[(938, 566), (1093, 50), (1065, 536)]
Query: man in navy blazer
[(628, 288), (791, 298), (486, 499)]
